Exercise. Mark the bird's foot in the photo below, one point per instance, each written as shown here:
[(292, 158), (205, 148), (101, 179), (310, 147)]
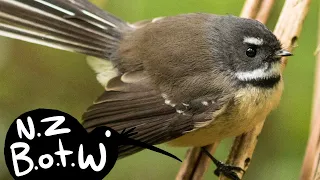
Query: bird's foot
[(222, 168), (228, 171)]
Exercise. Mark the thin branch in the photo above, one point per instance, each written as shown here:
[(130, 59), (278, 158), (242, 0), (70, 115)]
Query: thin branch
[(195, 163), (290, 23), (264, 11), (316, 103), (242, 150), (317, 175), (311, 164), (317, 49), (287, 31), (250, 9)]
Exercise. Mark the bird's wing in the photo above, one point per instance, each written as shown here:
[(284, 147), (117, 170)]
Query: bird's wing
[(130, 103), (72, 25)]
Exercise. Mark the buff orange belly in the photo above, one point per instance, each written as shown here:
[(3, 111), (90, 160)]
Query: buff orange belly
[(250, 106)]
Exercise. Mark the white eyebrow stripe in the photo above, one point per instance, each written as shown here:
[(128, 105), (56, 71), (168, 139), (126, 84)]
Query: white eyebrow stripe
[(253, 40), (261, 73)]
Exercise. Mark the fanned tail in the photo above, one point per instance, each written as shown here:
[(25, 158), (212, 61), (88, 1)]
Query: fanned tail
[(72, 25)]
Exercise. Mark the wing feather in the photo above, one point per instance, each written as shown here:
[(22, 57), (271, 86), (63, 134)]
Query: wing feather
[(154, 120)]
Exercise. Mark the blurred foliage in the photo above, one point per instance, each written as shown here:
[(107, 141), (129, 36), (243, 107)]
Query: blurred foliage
[(34, 76)]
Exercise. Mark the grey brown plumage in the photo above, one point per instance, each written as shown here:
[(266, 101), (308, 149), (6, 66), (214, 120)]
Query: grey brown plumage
[(186, 79), (154, 121)]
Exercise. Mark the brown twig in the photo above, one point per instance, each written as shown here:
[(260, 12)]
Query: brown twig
[(250, 9), (311, 164), (290, 23), (196, 163), (287, 31), (264, 11), (242, 150)]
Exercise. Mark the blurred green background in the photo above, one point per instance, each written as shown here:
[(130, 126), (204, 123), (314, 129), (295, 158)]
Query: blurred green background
[(33, 76)]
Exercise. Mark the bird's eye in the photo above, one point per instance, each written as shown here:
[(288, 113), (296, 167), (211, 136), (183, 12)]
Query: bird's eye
[(251, 52)]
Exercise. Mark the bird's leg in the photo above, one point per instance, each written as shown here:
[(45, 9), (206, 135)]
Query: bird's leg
[(225, 169)]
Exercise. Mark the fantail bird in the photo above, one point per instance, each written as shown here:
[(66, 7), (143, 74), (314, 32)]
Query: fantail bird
[(188, 80)]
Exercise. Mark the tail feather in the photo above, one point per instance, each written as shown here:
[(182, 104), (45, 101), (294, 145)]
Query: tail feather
[(76, 26)]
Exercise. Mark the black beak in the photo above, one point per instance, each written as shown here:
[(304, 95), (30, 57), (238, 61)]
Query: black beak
[(282, 53)]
